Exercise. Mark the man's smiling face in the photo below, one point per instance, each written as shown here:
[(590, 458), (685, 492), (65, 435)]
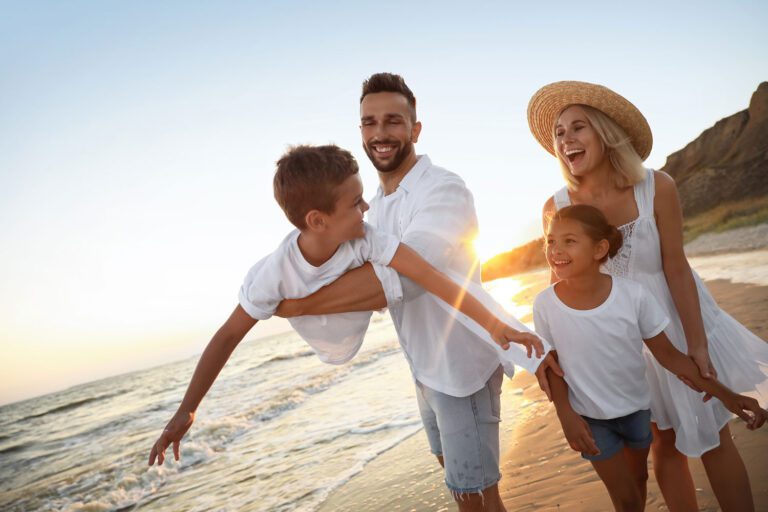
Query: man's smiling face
[(389, 129)]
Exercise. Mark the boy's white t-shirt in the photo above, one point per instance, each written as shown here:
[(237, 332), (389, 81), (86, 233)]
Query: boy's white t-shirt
[(285, 274), (601, 349)]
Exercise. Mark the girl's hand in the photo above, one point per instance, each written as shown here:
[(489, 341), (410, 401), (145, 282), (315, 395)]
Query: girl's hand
[(172, 433), (747, 409), (578, 434), (530, 341)]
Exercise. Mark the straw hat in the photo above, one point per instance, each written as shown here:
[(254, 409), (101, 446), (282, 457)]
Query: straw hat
[(549, 101)]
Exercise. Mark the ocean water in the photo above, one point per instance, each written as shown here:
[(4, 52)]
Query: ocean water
[(278, 431)]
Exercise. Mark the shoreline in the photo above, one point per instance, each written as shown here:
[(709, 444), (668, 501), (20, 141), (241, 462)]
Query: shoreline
[(539, 470)]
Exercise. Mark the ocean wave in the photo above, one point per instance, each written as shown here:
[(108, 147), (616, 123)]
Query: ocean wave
[(68, 406), (287, 357)]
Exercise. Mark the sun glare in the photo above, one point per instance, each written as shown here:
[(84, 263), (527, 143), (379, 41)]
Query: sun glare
[(488, 247), (505, 291)]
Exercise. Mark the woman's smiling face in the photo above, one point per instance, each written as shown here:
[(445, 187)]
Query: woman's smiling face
[(577, 143)]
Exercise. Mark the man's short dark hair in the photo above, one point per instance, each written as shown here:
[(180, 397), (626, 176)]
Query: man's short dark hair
[(389, 82), (307, 178)]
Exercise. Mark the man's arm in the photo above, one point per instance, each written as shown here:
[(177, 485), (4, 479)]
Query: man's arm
[(357, 290), (408, 263)]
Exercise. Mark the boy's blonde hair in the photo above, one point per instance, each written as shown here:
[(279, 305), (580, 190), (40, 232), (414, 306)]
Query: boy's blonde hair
[(617, 145)]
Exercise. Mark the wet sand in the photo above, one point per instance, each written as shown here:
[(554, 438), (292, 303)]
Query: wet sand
[(540, 471)]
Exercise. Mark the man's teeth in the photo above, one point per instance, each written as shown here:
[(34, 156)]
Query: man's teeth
[(384, 149)]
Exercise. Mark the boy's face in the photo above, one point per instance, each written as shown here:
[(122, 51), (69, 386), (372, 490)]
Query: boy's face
[(346, 221)]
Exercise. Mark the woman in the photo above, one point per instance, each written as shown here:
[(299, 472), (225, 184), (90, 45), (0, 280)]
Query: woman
[(601, 140)]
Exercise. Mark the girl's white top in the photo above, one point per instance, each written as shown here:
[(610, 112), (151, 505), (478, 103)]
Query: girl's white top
[(601, 349)]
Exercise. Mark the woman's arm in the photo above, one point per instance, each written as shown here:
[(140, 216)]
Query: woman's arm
[(669, 221)]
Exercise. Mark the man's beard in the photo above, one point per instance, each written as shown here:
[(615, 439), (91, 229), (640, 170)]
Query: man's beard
[(402, 153)]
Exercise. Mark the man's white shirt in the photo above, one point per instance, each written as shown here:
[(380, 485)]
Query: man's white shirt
[(433, 212)]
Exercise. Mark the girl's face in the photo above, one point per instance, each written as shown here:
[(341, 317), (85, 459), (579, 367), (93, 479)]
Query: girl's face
[(571, 252), (577, 143)]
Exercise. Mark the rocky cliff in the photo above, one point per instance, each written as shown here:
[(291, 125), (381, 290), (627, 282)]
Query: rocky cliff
[(727, 162)]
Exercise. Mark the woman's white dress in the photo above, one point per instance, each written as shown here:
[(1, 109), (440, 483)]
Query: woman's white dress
[(740, 357)]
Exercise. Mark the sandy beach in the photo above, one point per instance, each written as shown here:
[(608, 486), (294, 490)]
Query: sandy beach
[(539, 470)]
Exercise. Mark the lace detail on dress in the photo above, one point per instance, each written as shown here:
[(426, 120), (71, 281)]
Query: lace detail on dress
[(619, 264)]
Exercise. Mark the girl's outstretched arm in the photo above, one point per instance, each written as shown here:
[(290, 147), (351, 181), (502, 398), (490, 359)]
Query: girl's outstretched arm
[(407, 262), (684, 367), (208, 367)]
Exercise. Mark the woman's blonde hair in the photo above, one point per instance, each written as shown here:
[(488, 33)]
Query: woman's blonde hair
[(617, 145)]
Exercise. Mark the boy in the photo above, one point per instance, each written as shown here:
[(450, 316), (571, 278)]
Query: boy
[(320, 191)]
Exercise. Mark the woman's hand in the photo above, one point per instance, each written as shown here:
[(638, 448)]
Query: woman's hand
[(700, 356), (172, 434)]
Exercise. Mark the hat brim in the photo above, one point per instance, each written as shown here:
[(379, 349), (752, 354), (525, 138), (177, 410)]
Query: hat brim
[(549, 101)]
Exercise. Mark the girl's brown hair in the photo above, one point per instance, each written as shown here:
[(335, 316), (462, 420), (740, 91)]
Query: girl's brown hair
[(595, 225)]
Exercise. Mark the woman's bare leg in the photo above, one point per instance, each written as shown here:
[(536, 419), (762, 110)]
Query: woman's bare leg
[(672, 472), (728, 475)]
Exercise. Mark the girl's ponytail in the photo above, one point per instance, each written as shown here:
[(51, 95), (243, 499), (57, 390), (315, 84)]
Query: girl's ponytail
[(595, 225)]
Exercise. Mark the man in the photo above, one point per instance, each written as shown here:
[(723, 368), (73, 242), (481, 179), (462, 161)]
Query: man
[(458, 377)]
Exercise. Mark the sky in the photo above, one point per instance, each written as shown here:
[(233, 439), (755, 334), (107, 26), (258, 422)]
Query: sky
[(138, 141)]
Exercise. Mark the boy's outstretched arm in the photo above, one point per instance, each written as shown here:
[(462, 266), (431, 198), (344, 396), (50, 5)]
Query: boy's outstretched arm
[(208, 367), (357, 290), (576, 430), (408, 263), (687, 370)]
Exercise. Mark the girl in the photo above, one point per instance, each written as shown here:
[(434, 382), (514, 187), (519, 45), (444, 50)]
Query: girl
[(601, 139), (597, 323)]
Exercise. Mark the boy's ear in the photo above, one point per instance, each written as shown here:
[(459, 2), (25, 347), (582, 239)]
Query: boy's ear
[(315, 220), (601, 249)]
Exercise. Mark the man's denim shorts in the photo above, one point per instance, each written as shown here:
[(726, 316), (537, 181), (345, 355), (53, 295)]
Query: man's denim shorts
[(633, 431), (465, 432)]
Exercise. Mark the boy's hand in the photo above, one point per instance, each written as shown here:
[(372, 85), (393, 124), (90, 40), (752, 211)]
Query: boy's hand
[(172, 434), (549, 362), (530, 341), (577, 433), (747, 409)]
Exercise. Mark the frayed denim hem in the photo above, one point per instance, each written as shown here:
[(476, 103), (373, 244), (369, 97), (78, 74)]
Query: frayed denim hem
[(458, 493)]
